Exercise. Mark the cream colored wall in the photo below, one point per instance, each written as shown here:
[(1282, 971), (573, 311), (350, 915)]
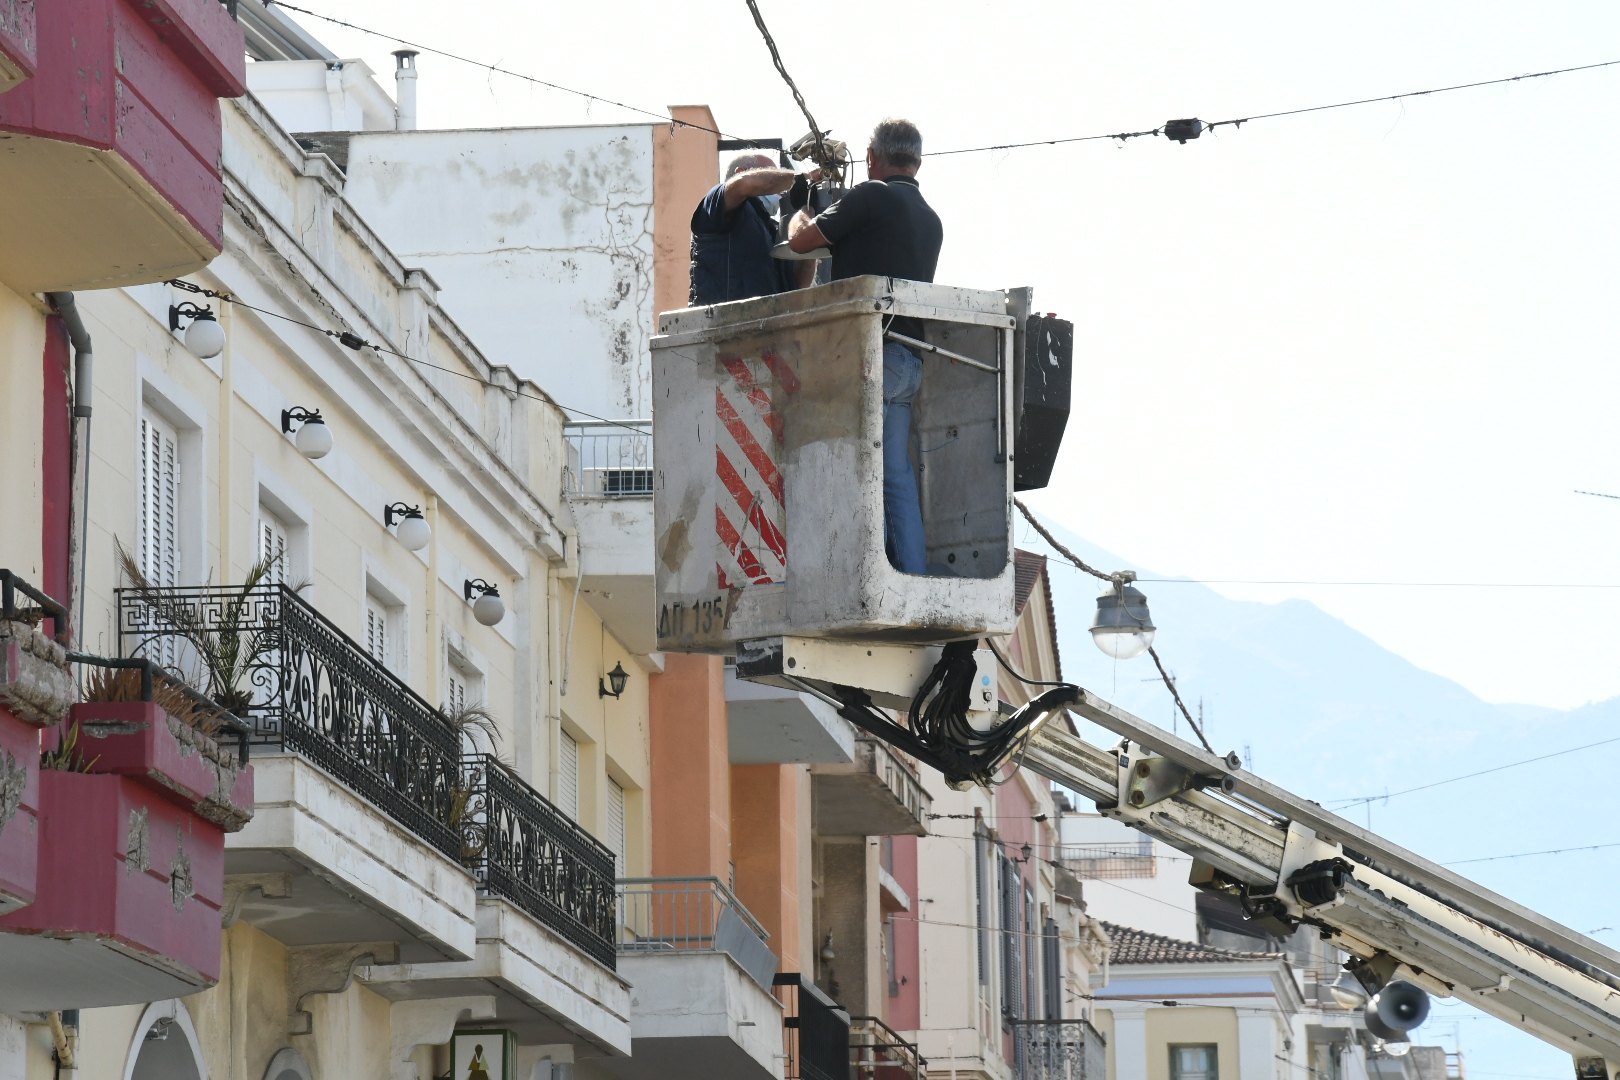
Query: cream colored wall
[(22, 387), (1166, 1027), (1103, 1021)]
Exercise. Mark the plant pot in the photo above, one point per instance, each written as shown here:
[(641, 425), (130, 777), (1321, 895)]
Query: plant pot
[(127, 903), (139, 740), (19, 810)]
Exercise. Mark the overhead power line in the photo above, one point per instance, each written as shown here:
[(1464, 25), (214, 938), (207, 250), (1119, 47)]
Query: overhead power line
[(351, 340), (1527, 854), (776, 58), (1469, 776), (656, 113), (1195, 127)]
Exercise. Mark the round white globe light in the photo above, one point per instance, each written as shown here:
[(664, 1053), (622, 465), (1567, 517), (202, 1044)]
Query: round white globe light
[(205, 338), (414, 532), (1123, 628), (1397, 1049), (488, 609), (314, 440)]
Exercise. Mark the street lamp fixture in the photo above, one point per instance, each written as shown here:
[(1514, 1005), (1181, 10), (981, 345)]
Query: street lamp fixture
[(413, 530), (204, 338), (1123, 628), (617, 679), (314, 438), (488, 608)]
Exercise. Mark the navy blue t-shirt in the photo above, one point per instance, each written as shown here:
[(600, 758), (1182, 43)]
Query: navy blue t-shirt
[(731, 253)]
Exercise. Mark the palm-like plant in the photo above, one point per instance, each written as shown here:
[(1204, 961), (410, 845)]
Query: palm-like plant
[(227, 648)]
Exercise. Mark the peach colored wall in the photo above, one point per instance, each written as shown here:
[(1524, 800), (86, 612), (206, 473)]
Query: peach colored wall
[(686, 164), (691, 781), (765, 848)]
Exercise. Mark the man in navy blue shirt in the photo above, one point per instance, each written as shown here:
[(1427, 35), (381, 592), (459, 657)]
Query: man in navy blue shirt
[(733, 231), (885, 227)]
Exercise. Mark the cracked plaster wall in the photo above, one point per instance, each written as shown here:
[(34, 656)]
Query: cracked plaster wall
[(541, 240)]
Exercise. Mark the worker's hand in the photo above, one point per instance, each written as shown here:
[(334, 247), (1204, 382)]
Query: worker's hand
[(799, 193)]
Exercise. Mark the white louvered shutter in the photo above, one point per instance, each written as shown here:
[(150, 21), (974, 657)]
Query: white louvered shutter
[(160, 502), (568, 775), (273, 545), (377, 636), (615, 826)]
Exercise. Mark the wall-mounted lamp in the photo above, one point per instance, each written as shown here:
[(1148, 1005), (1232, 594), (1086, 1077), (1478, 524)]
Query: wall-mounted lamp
[(617, 679), (205, 338), (413, 529), (488, 608), (314, 438)]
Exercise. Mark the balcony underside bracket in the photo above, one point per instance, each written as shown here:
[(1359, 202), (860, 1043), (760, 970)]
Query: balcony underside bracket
[(327, 969)]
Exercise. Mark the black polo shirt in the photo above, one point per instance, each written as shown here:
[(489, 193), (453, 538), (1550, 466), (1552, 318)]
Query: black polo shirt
[(884, 227)]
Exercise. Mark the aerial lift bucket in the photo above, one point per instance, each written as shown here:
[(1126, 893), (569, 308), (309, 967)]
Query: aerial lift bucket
[(768, 467)]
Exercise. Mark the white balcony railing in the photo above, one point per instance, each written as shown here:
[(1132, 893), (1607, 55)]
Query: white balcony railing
[(611, 459)]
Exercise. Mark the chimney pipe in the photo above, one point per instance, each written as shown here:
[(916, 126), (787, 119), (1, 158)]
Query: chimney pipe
[(405, 90)]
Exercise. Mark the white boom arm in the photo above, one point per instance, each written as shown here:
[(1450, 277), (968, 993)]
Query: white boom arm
[(1409, 918)]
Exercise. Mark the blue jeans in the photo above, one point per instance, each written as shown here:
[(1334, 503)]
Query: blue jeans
[(902, 512)]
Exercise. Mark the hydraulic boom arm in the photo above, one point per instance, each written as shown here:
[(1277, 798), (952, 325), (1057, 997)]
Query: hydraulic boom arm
[(1293, 862)]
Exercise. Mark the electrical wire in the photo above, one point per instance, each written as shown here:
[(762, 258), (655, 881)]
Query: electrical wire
[(1340, 803), (822, 158), (1002, 660), (1527, 854), (1392, 584), (664, 116), (354, 341), (1239, 122)]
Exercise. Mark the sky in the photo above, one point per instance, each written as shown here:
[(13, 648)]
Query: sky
[(1365, 345)]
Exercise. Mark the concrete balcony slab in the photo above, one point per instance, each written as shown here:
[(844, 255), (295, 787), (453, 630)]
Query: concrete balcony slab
[(320, 865), (877, 794), (616, 544), (545, 989), (773, 725)]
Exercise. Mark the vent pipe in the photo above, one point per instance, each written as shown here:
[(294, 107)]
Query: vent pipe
[(405, 90)]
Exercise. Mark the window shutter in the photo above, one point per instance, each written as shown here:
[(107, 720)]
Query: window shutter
[(615, 826), (981, 907), (377, 636), (568, 775), (160, 497)]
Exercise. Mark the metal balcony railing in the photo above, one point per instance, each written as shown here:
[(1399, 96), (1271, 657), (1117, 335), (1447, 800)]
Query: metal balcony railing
[(815, 1031), (1058, 1050), (612, 459), (1095, 861), (877, 1052), (307, 688), (674, 914)]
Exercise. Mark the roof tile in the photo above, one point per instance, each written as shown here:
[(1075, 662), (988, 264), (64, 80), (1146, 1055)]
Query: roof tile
[(1141, 947)]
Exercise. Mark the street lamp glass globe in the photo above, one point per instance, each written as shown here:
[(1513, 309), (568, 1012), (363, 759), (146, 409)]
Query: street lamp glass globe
[(1123, 628), (488, 609), (414, 532), (1397, 1049), (314, 440), (205, 338)]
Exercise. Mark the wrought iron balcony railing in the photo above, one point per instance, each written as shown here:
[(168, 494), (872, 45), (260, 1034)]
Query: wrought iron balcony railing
[(674, 914), (1058, 1050), (877, 1052), (526, 850), (307, 688)]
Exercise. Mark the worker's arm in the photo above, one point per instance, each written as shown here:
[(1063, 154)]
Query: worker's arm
[(745, 185), (807, 238), (805, 269)]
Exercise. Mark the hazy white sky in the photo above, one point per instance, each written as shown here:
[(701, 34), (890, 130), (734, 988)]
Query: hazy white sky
[(1374, 344)]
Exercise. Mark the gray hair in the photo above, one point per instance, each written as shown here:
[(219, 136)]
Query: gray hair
[(897, 143), (752, 159)]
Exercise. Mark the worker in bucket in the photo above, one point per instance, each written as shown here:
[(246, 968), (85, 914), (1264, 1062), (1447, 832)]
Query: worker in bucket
[(885, 227), (734, 229)]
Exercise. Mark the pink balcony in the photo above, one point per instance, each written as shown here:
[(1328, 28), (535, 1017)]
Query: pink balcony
[(114, 139), (19, 811), (139, 740)]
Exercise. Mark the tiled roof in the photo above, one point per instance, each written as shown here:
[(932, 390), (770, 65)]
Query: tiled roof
[(1140, 947), (1028, 568)]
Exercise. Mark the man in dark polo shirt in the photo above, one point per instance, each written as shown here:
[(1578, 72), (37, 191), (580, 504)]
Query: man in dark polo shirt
[(733, 231), (884, 227)]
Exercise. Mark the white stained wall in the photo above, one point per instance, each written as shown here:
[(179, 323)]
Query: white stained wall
[(541, 240), (314, 95), (1161, 904)]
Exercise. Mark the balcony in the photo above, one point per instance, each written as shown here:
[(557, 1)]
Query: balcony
[(1131, 859), (609, 485), (876, 794), (815, 1031), (771, 725), (440, 874), (877, 1052), (1058, 1050), (702, 970)]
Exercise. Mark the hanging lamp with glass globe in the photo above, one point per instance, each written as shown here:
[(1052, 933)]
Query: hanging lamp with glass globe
[(1123, 628)]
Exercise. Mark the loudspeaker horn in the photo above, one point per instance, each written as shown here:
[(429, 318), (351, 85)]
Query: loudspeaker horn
[(1401, 1006)]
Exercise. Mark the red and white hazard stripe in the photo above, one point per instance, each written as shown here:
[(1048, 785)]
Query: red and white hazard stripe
[(750, 506)]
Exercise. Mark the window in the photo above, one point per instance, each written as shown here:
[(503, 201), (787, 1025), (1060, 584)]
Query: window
[(616, 838), (377, 644), (1052, 970), (272, 544), (160, 501), (568, 775), (889, 957), (981, 907), (1012, 943), (1193, 1063)]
